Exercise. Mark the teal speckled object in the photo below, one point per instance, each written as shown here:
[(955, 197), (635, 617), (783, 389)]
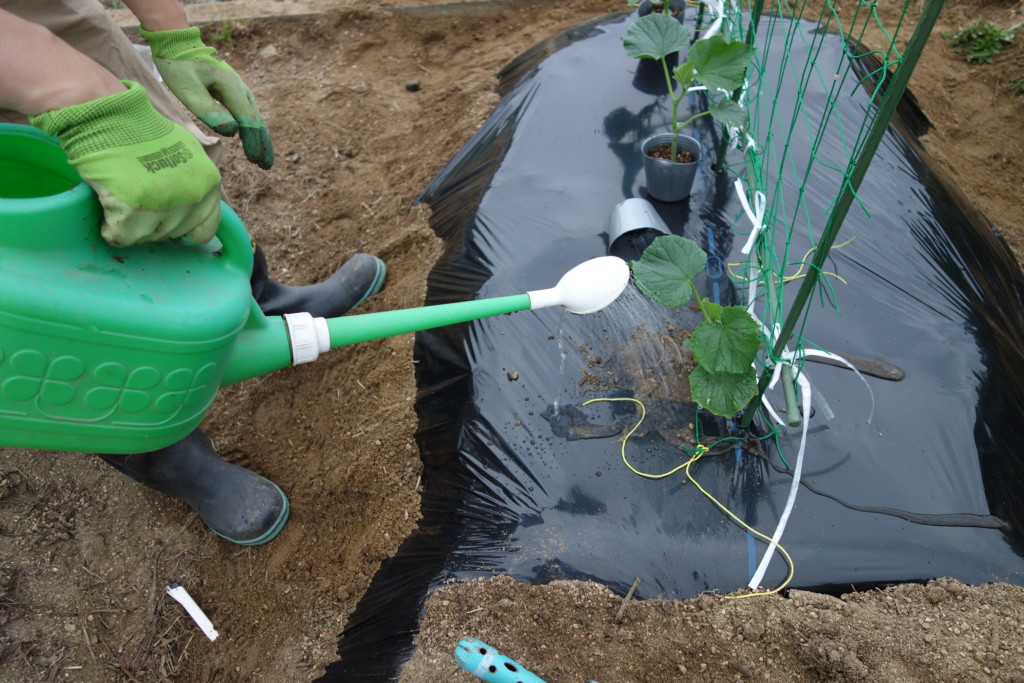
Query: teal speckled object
[(486, 663)]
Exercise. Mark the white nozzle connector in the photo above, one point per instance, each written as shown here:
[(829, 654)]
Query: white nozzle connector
[(545, 298), (309, 336)]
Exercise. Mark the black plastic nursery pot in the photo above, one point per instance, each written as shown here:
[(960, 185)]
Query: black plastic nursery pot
[(667, 180), (522, 479)]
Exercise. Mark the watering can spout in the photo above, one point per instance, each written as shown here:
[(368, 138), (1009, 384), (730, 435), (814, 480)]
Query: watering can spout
[(263, 345), (271, 343)]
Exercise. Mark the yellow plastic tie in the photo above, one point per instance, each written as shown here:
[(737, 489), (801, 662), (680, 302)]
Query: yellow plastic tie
[(786, 278), (698, 452)]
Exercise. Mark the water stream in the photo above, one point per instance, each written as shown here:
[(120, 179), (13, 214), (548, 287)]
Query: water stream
[(632, 349), (560, 339)]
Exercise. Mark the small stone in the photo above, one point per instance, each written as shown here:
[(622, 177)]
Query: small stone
[(512, 376), (745, 671), (818, 600), (413, 85), (268, 51), (935, 594), (753, 630)]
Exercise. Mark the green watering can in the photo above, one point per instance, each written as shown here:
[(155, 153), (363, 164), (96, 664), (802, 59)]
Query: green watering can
[(122, 350)]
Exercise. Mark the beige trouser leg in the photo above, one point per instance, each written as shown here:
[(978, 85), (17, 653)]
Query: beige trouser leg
[(86, 26)]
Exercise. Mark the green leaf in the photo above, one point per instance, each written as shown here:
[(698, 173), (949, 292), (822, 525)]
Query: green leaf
[(728, 344), (981, 41), (719, 64), (723, 393), (666, 268), (655, 36), (713, 310), (684, 73), (729, 113)]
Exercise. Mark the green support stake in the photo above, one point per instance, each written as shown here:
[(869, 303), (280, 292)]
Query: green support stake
[(886, 107), (755, 17), (793, 415)]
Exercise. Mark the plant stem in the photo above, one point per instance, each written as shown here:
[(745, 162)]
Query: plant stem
[(700, 302), (690, 120), (675, 108), (755, 18)]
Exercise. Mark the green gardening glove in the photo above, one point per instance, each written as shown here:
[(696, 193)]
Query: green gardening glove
[(204, 82), (152, 176)]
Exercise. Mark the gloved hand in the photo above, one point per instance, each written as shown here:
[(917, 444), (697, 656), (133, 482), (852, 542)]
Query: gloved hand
[(199, 78), (152, 176)]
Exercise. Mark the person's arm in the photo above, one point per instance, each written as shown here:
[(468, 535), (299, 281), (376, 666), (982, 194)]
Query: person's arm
[(41, 72), (158, 15), (200, 79), (152, 176)]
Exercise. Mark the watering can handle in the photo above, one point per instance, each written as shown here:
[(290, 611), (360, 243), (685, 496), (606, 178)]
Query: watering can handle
[(214, 246), (231, 241)]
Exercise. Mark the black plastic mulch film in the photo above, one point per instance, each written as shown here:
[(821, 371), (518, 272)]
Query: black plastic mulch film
[(521, 479)]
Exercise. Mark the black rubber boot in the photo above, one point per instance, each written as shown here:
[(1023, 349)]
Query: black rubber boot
[(237, 504), (358, 278)]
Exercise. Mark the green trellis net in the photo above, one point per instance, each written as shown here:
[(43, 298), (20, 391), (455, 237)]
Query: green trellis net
[(882, 42)]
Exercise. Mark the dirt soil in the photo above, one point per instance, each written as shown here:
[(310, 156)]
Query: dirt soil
[(85, 553)]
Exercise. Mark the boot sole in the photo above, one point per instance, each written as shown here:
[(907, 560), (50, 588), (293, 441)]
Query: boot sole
[(376, 285), (270, 533)]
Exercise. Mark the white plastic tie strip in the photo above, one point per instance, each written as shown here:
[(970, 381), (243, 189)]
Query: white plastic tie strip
[(717, 10), (805, 402), (806, 391), (736, 137), (756, 215), (815, 353), (178, 592)]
